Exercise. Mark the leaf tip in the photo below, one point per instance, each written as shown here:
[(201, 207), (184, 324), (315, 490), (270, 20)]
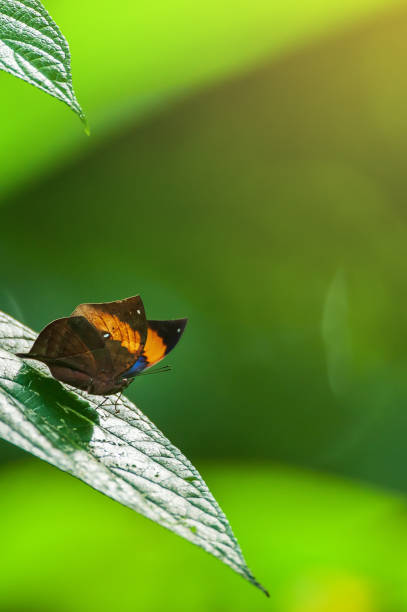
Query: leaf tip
[(249, 576), (260, 586), (85, 124)]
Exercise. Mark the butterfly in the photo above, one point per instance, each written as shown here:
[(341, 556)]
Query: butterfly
[(100, 348)]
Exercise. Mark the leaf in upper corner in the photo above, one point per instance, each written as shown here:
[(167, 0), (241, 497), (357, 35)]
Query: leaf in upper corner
[(112, 447), (33, 49)]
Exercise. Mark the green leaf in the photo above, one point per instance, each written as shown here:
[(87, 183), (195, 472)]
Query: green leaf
[(114, 448), (33, 49)]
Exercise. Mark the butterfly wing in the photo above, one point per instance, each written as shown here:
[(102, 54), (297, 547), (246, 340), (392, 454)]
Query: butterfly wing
[(71, 342), (122, 326), (99, 343), (162, 336)]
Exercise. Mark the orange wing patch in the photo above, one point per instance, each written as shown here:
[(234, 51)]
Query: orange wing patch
[(122, 321), (162, 336), (112, 328), (155, 348)]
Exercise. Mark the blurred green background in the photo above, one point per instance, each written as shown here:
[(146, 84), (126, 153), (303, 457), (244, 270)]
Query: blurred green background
[(247, 169)]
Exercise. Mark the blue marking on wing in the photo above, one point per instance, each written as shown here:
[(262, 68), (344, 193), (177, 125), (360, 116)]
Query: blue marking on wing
[(137, 367)]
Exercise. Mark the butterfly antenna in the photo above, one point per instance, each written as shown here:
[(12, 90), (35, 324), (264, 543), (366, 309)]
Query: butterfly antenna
[(161, 370)]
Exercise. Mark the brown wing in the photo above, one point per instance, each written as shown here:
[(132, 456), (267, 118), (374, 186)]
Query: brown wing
[(121, 325), (71, 342)]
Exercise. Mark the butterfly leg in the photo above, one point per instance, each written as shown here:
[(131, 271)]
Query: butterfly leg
[(104, 401), (118, 398)]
